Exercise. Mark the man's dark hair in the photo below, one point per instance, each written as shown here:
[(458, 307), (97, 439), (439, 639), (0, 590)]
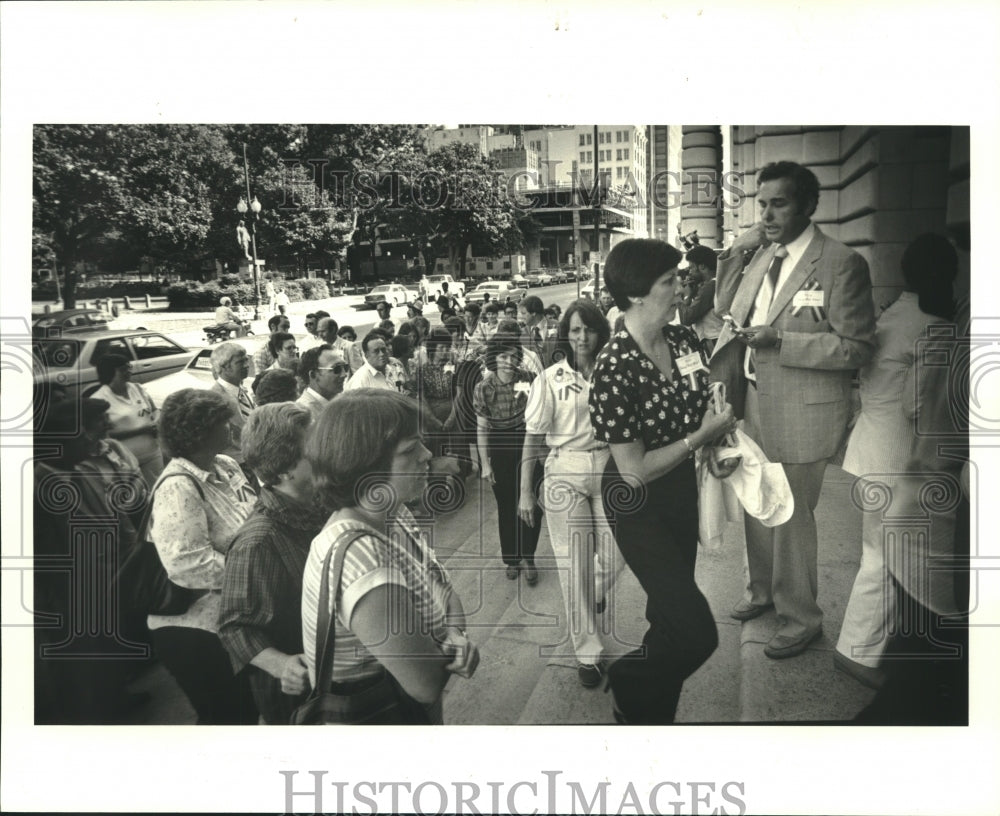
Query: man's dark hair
[(374, 334), (702, 255), (273, 322), (278, 339), (805, 181), (320, 314), (309, 361), (930, 266), (533, 305)]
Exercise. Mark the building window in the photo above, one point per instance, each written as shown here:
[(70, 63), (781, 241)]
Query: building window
[(583, 157), (625, 154), (619, 154), (590, 156), (618, 135), (618, 172), (506, 264), (472, 266), (440, 267), (489, 266), (583, 139), (590, 139)]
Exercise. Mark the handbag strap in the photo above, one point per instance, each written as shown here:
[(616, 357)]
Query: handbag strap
[(325, 626), (148, 512)]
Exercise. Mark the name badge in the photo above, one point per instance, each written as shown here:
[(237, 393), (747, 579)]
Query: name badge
[(807, 299), (689, 363), (522, 387), (449, 369)]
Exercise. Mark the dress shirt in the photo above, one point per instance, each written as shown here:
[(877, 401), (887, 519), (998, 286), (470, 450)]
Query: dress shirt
[(313, 401), (758, 315), (558, 406), (368, 377)]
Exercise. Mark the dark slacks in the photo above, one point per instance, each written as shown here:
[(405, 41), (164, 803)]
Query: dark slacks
[(199, 664), (658, 538), (518, 541)]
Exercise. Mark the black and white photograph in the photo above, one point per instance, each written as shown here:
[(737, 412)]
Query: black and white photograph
[(354, 414)]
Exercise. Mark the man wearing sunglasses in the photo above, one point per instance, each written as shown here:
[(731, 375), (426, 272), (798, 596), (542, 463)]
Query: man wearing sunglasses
[(325, 371)]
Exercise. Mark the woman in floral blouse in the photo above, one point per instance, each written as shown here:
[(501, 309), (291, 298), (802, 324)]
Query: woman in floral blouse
[(649, 403), (499, 402), (199, 503)]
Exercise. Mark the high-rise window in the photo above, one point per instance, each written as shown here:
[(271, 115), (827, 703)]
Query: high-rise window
[(625, 154), (590, 139), (583, 139)]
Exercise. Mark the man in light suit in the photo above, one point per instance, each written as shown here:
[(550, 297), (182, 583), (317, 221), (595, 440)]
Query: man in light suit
[(231, 366), (802, 322)]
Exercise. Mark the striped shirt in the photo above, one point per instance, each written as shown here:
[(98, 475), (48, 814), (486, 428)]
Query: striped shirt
[(404, 558)]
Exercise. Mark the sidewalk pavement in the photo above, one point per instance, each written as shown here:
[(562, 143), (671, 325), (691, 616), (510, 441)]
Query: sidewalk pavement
[(527, 674)]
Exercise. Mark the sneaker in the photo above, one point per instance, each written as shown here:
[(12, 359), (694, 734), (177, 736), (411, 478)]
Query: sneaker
[(512, 571), (590, 674), (530, 575)]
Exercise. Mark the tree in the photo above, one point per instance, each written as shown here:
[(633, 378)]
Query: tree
[(152, 184), (460, 200)]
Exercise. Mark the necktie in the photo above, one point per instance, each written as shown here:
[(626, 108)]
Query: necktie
[(774, 270), (246, 403), (773, 273)]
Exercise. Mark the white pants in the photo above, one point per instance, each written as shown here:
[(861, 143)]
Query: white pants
[(871, 607), (587, 557)]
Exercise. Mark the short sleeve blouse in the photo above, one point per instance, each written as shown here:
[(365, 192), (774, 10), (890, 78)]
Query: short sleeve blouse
[(632, 400)]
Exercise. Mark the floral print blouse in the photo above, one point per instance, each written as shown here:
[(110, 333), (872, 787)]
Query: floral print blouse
[(632, 400)]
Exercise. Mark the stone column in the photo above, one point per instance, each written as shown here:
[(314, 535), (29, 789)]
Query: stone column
[(701, 165)]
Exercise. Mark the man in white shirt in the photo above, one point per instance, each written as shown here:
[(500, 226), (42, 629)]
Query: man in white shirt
[(312, 339), (231, 366), (324, 371), (285, 351), (263, 358), (372, 372)]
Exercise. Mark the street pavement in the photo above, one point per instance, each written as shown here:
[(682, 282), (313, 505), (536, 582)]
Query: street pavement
[(527, 674)]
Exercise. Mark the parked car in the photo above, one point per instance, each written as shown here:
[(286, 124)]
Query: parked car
[(587, 291), (558, 276), (539, 278), (499, 292), (70, 321), (434, 285), (67, 366), (392, 293), (196, 374), (519, 281)]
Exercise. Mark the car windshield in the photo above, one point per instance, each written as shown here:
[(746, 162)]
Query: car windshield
[(379, 289), (485, 286), (56, 353)]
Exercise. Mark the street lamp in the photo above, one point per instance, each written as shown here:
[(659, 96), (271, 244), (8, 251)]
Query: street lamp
[(251, 228)]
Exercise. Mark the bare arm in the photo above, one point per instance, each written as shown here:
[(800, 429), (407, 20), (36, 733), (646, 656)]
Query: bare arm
[(388, 623), (482, 442), (533, 450)]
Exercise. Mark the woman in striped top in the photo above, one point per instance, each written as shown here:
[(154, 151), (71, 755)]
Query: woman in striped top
[(395, 610)]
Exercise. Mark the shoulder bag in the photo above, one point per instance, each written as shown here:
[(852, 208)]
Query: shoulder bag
[(372, 701)]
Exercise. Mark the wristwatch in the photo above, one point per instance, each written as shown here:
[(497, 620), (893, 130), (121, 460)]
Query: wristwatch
[(777, 343)]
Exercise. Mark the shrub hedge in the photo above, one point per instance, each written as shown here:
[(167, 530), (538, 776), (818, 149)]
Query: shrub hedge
[(88, 290), (194, 296)]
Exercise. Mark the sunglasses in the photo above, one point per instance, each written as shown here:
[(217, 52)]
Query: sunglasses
[(340, 368)]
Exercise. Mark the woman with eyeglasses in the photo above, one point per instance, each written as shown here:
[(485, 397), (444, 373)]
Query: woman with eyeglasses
[(131, 412)]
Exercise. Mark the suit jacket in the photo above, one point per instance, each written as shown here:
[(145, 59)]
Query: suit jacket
[(235, 424), (805, 387)]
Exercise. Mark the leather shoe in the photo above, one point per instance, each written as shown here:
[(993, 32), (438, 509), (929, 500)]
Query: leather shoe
[(530, 575), (866, 675), (590, 674), (744, 610), (599, 606), (512, 571), (781, 646)]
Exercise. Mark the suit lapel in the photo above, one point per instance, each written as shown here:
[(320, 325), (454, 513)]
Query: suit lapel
[(804, 268), (752, 279)]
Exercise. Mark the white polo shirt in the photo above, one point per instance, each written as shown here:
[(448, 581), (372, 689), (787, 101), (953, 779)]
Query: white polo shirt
[(558, 407)]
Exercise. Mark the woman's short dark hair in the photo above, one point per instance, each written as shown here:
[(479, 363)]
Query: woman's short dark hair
[(930, 266), (351, 445), (401, 345), (108, 365), (439, 337), (634, 265), (188, 417), (502, 343), (273, 439), (592, 317), (275, 385)]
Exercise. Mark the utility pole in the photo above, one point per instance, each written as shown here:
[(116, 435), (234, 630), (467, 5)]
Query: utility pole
[(596, 245)]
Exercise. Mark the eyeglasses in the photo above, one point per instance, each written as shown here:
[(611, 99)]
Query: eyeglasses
[(340, 368), (292, 350), (379, 350)]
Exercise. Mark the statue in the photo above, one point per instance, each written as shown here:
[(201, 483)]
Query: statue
[(243, 239)]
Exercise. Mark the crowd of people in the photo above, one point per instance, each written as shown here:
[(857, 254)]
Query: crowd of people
[(289, 506)]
